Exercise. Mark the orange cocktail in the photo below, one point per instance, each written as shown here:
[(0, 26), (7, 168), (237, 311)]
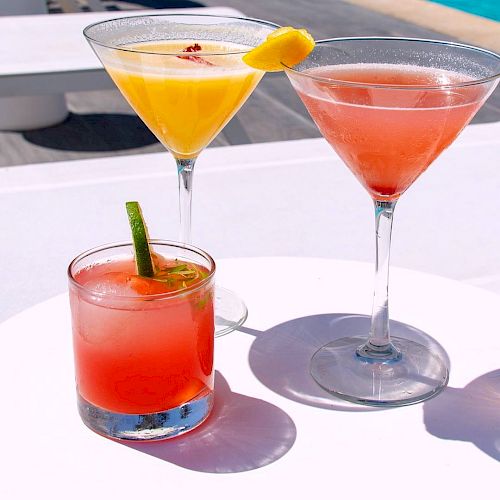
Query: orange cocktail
[(143, 346), (185, 77), (184, 100)]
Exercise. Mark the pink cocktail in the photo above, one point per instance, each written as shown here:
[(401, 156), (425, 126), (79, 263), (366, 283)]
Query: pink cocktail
[(387, 135), (389, 107)]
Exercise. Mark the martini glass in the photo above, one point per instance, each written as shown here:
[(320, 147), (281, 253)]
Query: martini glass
[(184, 76), (389, 107)]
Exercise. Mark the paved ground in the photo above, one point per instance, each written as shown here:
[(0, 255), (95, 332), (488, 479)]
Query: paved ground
[(102, 124)]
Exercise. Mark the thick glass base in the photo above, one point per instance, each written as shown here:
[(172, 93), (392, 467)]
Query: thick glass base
[(230, 311), (152, 426), (418, 372)]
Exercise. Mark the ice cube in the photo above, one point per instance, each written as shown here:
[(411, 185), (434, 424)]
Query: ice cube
[(126, 285), (114, 283)]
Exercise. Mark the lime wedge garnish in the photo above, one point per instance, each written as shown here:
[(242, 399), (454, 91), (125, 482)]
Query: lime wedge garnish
[(143, 259)]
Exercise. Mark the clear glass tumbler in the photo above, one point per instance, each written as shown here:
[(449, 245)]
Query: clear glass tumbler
[(143, 360)]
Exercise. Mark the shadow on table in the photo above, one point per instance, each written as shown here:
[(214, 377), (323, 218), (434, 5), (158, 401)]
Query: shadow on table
[(241, 434), (93, 132), (468, 414), (280, 357)]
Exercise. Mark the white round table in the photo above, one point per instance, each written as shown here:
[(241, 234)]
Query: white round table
[(273, 431)]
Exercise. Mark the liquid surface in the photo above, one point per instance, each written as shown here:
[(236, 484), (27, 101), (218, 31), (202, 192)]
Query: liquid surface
[(120, 278), (140, 356), (185, 100), (389, 136)]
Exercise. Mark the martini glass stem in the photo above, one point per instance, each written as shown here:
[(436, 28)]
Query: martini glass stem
[(379, 346), (185, 169)]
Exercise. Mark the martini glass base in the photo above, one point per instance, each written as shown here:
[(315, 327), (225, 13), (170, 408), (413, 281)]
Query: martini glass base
[(420, 373), (230, 311)]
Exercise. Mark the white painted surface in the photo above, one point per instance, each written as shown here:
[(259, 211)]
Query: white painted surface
[(274, 433), (32, 111)]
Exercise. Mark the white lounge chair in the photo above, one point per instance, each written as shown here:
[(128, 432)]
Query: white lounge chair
[(44, 56)]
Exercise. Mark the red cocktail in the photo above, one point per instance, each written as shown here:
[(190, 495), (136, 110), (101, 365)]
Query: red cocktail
[(143, 346)]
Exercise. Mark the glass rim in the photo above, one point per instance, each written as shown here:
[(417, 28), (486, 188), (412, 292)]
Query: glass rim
[(346, 83), (145, 298), (121, 48)]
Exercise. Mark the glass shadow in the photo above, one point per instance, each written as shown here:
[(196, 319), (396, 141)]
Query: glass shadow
[(470, 414), (241, 434), (280, 356)]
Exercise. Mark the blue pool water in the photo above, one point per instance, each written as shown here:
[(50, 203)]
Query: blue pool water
[(484, 8)]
